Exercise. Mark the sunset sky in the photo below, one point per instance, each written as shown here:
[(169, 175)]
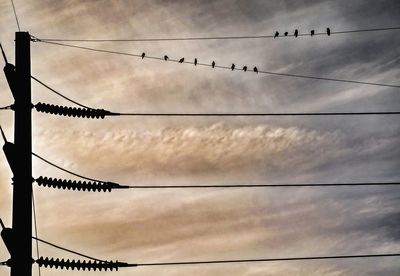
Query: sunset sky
[(168, 225)]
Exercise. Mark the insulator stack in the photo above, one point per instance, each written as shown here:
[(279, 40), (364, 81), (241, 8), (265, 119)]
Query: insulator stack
[(73, 264), (72, 111), (89, 186)]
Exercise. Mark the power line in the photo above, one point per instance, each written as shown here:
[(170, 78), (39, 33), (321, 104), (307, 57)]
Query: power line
[(50, 109), (221, 186), (262, 185), (59, 94), (36, 228), (257, 114), (6, 107), (220, 67), (214, 37), (65, 170), (67, 250), (15, 14), (268, 260)]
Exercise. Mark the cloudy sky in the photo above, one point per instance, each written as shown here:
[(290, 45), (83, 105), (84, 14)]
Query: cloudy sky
[(191, 225)]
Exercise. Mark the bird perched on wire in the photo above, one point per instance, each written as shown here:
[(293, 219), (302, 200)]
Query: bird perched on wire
[(328, 31), (255, 69), (195, 61), (312, 32), (213, 64), (166, 57), (286, 33), (233, 66), (181, 60), (244, 68), (276, 34), (143, 55), (296, 33)]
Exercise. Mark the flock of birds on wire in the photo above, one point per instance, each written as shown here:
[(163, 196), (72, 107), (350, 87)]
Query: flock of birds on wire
[(255, 69)]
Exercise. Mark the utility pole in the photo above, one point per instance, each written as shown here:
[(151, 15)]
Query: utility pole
[(21, 259)]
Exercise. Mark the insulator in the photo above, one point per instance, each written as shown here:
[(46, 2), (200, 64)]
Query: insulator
[(72, 111), (90, 186), (72, 264)]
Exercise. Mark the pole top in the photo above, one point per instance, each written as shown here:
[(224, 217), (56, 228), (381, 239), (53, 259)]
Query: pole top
[(2, 224)]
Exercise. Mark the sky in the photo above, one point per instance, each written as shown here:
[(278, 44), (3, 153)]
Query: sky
[(144, 226)]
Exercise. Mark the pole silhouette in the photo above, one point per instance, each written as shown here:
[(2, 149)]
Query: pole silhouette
[(21, 258)]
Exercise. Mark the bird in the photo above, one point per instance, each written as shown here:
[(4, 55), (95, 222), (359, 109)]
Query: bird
[(312, 32), (166, 57), (181, 60), (233, 66), (255, 70), (143, 55), (195, 61), (328, 31), (213, 64), (276, 34), (296, 33), (245, 68), (286, 33)]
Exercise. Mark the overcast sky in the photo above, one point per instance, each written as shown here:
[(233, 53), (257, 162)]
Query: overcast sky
[(192, 225)]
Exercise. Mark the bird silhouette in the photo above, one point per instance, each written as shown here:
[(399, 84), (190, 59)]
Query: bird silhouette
[(312, 32), (166, 58), (233, 66), (195, 61), (276, 34), (286, 33), (255, 70), (296, 33), (328, 31), (143, 55), (213, 64), (181, 60)]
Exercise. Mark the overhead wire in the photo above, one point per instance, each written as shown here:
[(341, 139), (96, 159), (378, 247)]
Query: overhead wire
[(59, 94), (6, 107), (65, 170), (46, 108), (267, 260), (218, 66), (222, 186), (15, 14), (36, 229), (67, 250), (216, 37)]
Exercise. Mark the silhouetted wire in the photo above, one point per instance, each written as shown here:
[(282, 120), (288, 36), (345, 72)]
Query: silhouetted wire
[(6, 107), (261, 185), (221, 67), (267, 260), (67, 250), (257, 114), (213, 37), (15, 14), (36, 228), (65, 170), (227, 114), (59, 94)]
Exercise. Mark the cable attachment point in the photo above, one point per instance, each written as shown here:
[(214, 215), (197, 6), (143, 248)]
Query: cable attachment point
[(78, 264), (35, 39), (89, 186), (72, 111)]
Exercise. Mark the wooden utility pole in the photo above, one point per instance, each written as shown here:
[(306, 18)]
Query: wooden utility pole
[(21, 259)]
